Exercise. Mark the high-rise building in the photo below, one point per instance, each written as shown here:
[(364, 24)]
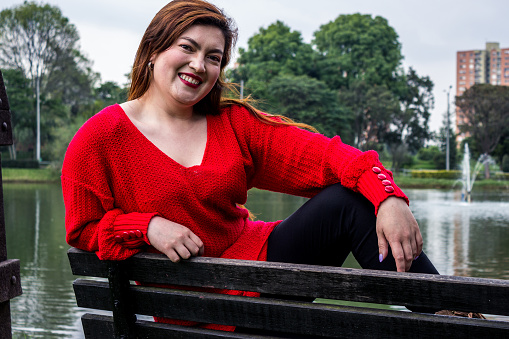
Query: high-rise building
[(488, 66)]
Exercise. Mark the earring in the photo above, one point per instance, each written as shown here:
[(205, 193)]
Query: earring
[(150, 65)]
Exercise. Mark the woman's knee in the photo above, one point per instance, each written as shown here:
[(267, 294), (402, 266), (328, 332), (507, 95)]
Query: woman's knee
[(337, 198)]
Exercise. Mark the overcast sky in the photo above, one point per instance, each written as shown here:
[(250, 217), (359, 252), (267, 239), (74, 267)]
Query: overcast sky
[(431, 32)]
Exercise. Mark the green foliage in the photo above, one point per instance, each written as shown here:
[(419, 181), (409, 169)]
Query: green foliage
[(435, 174), (20, 164), (35, 38), (350, 84), (21, 104), (361, 57), (30, 175), (373, 106), (62, 134), (505, 163), (484, 114), (310, 101), (274, 51), (428, 153), (358, 47), (39, 45), (416, 97), (502, 147)]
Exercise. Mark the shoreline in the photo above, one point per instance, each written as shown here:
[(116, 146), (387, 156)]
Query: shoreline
[(52, 176)]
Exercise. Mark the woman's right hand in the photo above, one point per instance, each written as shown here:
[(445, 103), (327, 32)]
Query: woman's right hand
[(174, 240)]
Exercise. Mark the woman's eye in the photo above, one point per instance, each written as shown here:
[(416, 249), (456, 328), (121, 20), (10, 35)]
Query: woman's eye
[(215, 58), (186, 47)]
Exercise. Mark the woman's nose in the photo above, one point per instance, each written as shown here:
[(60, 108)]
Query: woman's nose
[(197, 64)]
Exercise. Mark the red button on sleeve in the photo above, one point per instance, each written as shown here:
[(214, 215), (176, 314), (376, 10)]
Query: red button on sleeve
[(377, 170), (382, 176), (126, 236), (389, 189), (118, 239), (386, 182)]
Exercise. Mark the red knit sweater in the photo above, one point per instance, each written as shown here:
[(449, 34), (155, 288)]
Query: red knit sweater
[(115, 180)]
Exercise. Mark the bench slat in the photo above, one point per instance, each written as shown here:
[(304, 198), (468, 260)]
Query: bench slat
[(407, 289), (101, 326), (288, 316)]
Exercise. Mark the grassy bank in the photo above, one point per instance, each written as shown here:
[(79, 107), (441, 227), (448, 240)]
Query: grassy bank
[(41, 175), (409, 182), (52, 175)]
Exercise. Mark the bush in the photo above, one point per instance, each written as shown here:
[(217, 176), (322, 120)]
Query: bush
[(435, 174), (428, 153), (501, 176), (20, 164), (505, 163)]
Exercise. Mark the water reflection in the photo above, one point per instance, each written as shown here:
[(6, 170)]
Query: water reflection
[(35, 234), (461, 239), (465, 239)]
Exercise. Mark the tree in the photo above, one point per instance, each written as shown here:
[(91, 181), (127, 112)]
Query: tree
[(485, 112), (416, 98), (275, 50), (21, 105), (372, 108), (357, 47), (502, 148), (308, 100), (35, 39), (361, 58), (72, 82)]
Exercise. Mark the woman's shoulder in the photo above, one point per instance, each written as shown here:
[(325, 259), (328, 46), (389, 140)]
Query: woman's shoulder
[(102, 123), (98, 129), (237, 113)]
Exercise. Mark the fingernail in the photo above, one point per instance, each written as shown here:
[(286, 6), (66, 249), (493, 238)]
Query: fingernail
[(417, 257), (380, 257)]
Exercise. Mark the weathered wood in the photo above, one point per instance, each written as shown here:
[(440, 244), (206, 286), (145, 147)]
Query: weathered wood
[(5, 116), (9, 285), (118, 288), (309, 319), (101, 326), (380, 287)]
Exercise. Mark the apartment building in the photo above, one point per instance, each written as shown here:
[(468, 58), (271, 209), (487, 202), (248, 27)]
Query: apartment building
[(487, 66)]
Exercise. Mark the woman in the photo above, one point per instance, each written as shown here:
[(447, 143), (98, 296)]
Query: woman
[(169, 170)]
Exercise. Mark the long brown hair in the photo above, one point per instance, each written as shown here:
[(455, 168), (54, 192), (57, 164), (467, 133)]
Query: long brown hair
[(164, 29)]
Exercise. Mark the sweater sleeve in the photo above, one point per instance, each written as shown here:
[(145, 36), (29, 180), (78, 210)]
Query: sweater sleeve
[(92, 220), (295, 161)]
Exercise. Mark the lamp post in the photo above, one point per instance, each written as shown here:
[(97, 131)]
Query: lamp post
[(447, 136)]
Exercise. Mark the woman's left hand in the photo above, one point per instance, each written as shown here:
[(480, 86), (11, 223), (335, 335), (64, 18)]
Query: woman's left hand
[(396, 227)]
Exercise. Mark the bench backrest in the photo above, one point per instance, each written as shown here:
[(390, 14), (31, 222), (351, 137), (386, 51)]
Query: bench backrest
[(295, 317)]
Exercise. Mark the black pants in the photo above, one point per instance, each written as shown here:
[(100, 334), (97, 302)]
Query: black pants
[(328, 227), (325, 230)]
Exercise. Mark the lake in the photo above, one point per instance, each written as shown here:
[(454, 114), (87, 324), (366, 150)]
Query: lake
[(461, 239)]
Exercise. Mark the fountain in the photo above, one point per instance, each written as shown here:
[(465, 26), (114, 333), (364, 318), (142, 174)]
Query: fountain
[(468, 176)]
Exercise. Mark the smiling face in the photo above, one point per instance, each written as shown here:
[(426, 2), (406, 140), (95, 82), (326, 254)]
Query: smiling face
[(186, 72)]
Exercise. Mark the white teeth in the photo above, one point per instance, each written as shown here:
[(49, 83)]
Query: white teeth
[(189, 79)]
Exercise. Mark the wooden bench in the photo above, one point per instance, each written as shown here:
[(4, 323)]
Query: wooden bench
[(308, 319)]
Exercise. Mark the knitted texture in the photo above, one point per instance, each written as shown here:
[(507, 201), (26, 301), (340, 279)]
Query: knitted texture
[(115, 180)]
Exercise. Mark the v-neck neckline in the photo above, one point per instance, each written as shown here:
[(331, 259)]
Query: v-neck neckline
[(137, 131)]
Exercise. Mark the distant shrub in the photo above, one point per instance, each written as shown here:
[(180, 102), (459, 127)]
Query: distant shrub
[(20, 164), (428, 153), (435, 174), (505, 163), (501, 176)]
